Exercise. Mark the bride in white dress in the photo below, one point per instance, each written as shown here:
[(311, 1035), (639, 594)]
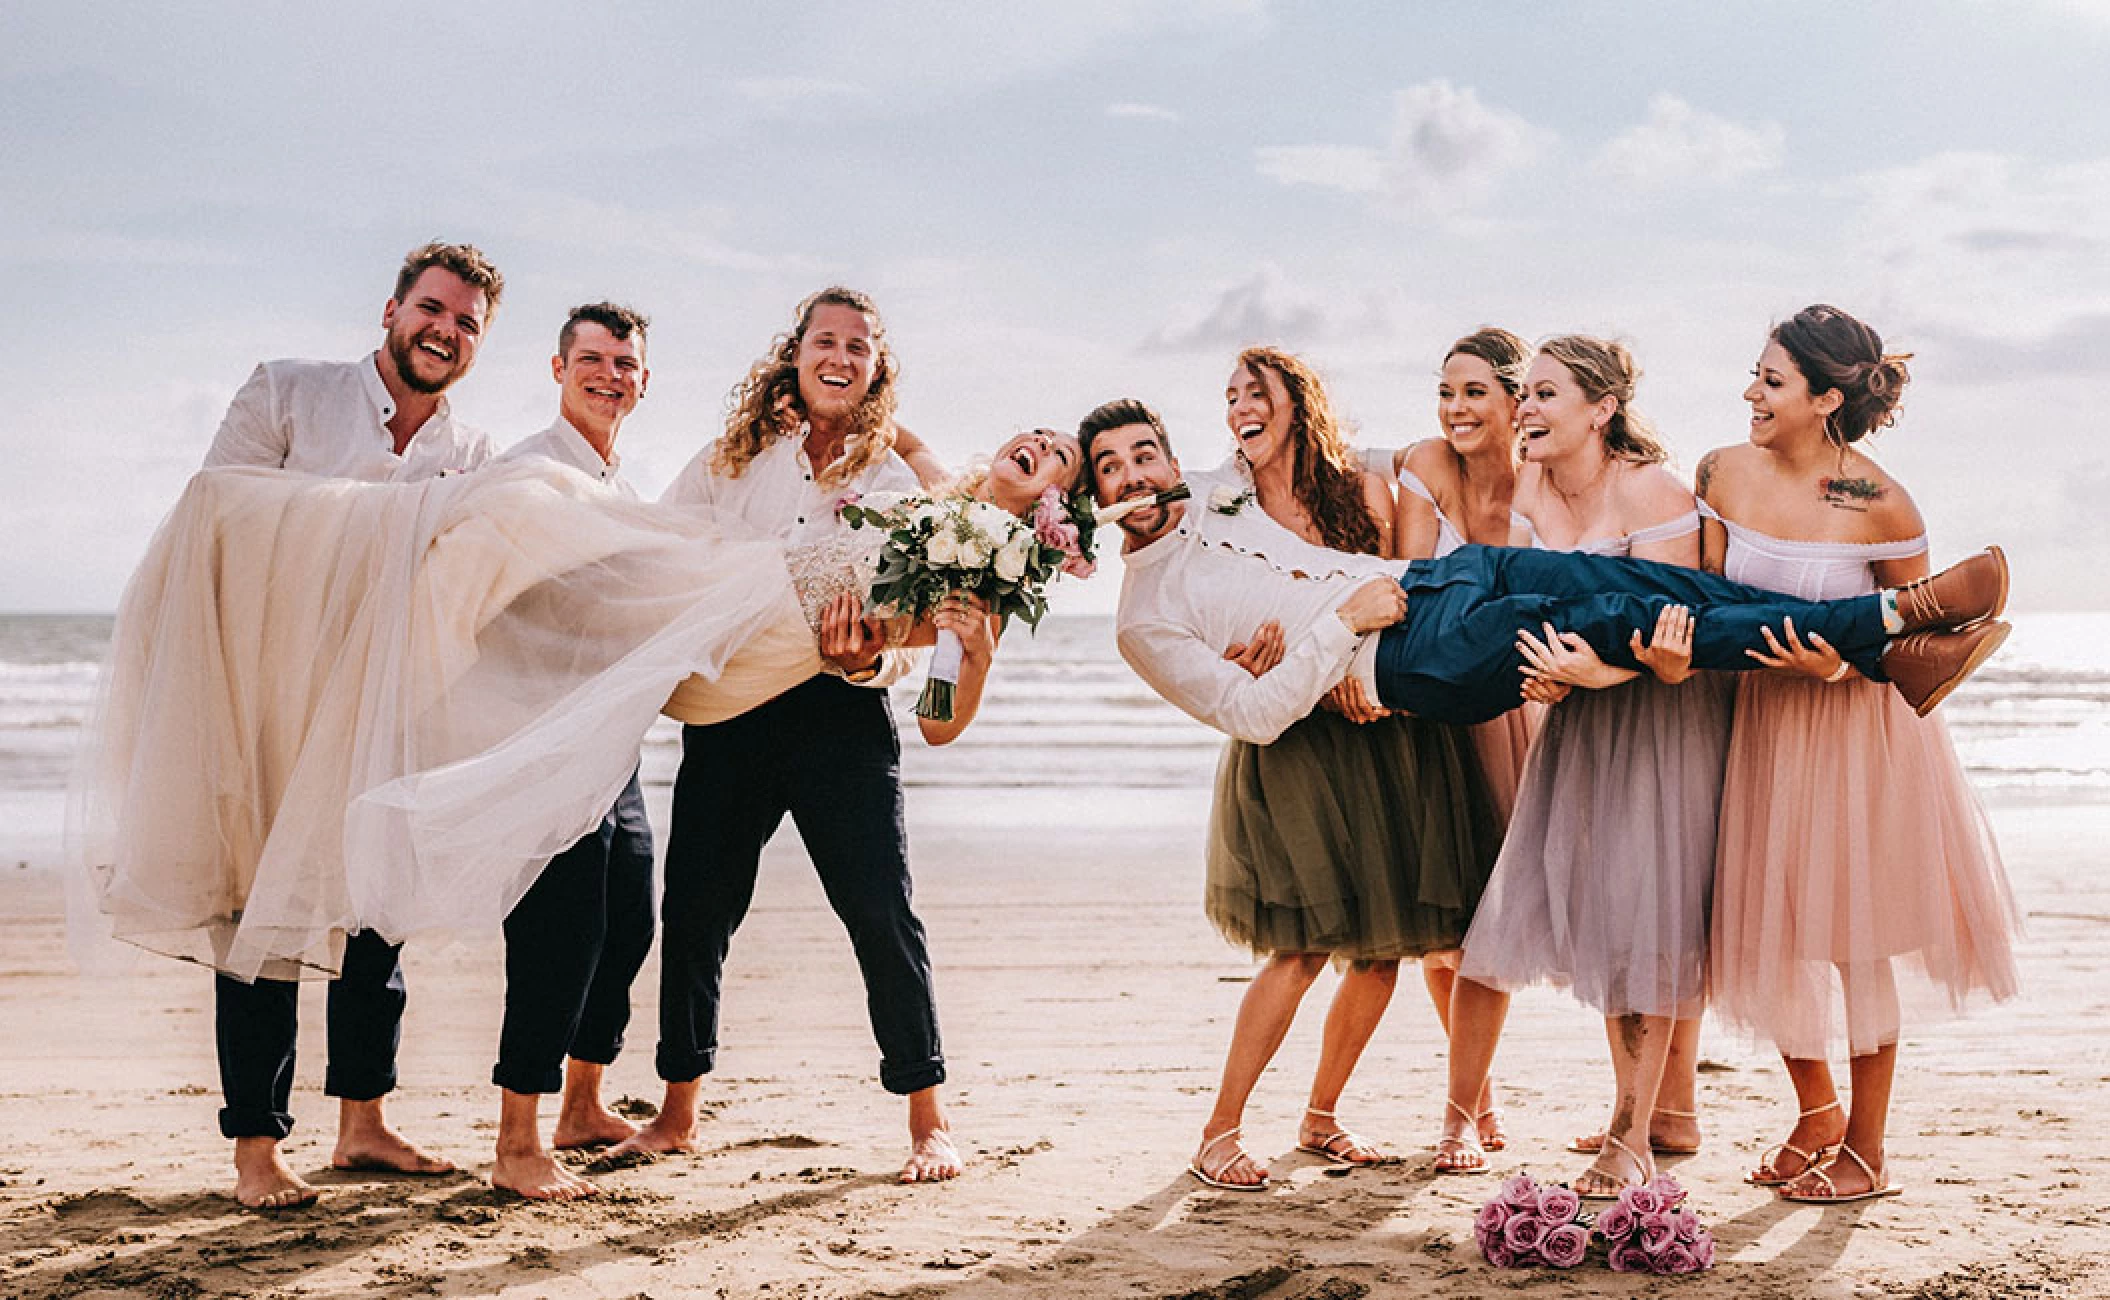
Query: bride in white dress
[(333, 706)]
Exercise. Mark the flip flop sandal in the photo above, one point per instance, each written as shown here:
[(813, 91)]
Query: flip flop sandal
[(1810, 1159), (1613, 1195), (1467, 1146)]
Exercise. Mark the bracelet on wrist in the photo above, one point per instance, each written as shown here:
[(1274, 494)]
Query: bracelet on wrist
[(1839, 674)]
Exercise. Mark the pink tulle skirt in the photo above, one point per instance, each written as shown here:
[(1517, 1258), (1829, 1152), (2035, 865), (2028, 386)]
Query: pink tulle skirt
[(1858, 887)]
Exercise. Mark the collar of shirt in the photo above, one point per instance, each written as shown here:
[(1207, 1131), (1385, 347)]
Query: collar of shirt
[(385, 403), (577, 452)]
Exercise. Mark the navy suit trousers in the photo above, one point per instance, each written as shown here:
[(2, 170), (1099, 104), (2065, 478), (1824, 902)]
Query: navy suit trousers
[(1454, 657)]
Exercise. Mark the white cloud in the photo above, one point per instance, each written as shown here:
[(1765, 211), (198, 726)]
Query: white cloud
[(1147, 112), (1446, 155), (1680, 143), (1988, 247), (1262, 308)]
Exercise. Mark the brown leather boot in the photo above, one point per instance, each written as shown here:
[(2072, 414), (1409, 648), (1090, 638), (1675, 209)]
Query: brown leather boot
[(1926, 666), (1969, 591)]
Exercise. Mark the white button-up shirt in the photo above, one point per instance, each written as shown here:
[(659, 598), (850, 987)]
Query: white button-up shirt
[(567, 446), (1209, 584), (779, 494), (331, 418)]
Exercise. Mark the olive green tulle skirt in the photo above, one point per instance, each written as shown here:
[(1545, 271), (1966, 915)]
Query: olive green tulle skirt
[(1369, 841)]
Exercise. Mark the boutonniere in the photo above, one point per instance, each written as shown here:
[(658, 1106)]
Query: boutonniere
[(1226, 500)]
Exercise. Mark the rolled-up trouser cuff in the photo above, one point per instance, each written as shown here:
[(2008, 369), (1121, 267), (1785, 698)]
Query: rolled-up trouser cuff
[(514, 1078), (242, 1122), (357, 1085), (683, 1067), (902, 1080)]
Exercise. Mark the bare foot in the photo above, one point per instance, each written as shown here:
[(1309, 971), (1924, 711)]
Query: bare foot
[(598, 1126), (537, 1176), (365, 1141), (666, 1134), (388, 1151), (932, 1159), (262, 1179)]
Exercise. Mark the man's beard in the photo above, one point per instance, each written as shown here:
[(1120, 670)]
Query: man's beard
[(402, 353)]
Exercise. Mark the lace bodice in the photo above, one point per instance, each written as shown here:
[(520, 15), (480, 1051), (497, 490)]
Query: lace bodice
[(1807, 570), (839, 563)]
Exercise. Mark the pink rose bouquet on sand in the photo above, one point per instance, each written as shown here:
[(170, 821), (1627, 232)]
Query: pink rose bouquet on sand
[(1527, 1225), (1649, 1230)]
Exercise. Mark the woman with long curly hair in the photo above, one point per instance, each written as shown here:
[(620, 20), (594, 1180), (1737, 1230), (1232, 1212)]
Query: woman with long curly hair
[(1360, 843)]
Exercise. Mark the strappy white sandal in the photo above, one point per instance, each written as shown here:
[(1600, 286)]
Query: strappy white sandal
[(1645, 1169), (1810, 1159), (1466, 1147), (1340, 1146), (1879, 1185), (1238, 1152)]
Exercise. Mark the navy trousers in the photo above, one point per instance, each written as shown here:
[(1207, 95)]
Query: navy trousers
[(826, 753), (255, 1026), (574, 943), (1454, 657)]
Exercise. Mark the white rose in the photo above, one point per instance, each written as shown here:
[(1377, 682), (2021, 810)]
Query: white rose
[(992, 522), (1011, 560), (926, 513), (943, 549), (975, 549), (1223, 499)]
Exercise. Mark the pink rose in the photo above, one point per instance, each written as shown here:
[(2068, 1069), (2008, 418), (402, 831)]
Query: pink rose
[(1616, 1223), (1499, 1255), (1520, 1193), (1491, 1217), (1565, 1246), (1558, 1205), (1688, 1226), (1079, 567), (1640, 1200), (1627, 1259), (1703, 1252), (1521, 1234), (1657, 1231), (1667, 1190), (1678, 1259)]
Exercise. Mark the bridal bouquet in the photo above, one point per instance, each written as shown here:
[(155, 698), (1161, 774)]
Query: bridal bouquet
[(1527, 1224), (937, 546), (1650, 1231)]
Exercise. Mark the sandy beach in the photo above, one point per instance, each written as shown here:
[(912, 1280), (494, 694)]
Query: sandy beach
[(1086, 1004)]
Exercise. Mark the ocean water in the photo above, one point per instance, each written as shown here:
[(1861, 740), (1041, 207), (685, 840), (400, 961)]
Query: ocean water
[(1064, 718)]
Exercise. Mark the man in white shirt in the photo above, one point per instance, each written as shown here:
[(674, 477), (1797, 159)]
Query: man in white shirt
[(577, 939), (813, 422), (381, 418), (1447, 630)]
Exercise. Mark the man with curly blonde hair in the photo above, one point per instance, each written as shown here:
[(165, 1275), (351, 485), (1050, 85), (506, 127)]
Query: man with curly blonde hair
[(811, 423)]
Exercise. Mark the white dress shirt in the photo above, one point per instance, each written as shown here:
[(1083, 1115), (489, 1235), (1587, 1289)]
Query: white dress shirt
[(1209, 584), (779, 494), (567, 446), (330, 418)]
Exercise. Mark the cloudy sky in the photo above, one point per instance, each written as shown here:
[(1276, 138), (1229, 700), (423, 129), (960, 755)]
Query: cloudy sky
[(1060, 203)]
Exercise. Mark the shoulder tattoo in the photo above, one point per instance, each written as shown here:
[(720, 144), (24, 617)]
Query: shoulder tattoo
[(1703, 477), (1851, 493)]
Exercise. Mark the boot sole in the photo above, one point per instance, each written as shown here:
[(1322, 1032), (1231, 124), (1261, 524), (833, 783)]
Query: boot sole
[(1979, 654)]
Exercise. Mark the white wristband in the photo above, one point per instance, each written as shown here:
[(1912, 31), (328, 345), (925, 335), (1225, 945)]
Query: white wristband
[(1839, 674)]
